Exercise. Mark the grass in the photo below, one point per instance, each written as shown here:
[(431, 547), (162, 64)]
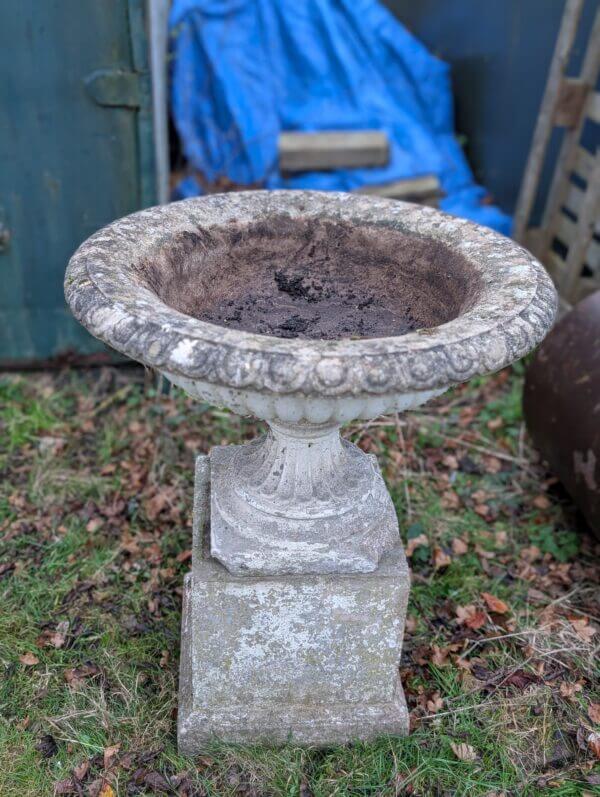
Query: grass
[(95, 497)]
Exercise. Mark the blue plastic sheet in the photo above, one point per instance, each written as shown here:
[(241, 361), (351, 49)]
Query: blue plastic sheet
[(245, 70)]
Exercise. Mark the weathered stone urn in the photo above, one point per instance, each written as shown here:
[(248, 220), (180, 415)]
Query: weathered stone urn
[(306, 310)]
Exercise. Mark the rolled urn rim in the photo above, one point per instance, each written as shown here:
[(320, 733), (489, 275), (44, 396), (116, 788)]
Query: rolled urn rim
[(514, 307)]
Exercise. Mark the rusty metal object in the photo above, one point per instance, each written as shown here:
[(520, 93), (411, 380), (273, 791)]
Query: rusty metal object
[(562, 405)]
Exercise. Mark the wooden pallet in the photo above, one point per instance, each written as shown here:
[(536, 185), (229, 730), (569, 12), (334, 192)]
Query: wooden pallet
[(568, 239)]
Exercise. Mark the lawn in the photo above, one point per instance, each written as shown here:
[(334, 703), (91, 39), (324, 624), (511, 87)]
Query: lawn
[(500, 664)]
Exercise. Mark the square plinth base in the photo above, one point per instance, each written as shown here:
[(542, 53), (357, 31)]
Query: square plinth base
[(311, 660)]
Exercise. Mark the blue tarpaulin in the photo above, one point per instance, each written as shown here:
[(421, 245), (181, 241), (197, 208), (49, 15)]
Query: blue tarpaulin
[(245, 70)]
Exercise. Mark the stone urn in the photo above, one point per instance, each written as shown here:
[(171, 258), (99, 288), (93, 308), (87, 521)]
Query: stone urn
[(306, 310)]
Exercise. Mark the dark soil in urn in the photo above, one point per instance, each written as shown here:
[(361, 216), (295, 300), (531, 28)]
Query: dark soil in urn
[(318, 279)]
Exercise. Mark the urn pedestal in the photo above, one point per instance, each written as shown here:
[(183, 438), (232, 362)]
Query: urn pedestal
[(311, 659)]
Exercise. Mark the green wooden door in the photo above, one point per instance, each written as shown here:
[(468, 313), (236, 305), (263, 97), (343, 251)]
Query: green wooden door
[(75, 153)]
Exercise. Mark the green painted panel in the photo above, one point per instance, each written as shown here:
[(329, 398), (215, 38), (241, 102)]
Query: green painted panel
[(68, 164)]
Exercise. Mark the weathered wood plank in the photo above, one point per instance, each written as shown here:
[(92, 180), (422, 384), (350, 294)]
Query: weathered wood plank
[(543, 128), (584, 163), (582, 241), (426, 189), (571, 99), (593, 107), (570, 145), (300, 152)]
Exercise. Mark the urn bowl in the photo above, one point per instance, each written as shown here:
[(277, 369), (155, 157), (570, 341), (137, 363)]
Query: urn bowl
[(307, 310)]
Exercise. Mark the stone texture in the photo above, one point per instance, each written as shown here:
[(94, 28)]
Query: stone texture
[(299, 500), (514, 308), (311, 658), (291, 648)]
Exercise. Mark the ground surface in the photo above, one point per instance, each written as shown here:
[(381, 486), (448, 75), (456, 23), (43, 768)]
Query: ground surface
[(501, 655)]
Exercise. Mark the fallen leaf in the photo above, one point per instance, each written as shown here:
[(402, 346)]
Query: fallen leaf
[(76, 675), (110, 754), (582, 628), (494, 604), (482, 510), (81, 771), (65, 786), (594, 712), (459, 547), (593, 741), (450, 461), (450, 500), (569, 690), (435, 703), (440, 559), (521, 679), (420, 541), (463, 751), (28, 659), (184, 556), (495, 423), (470, 616), (411, 624), (541, 502), (94, 524), (492, 465), (157, 782)]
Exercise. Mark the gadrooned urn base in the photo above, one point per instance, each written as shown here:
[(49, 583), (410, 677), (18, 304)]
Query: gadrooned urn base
[(309, 659), (299, 500)]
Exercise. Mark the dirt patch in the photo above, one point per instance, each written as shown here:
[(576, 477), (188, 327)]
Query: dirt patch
[(318, 279)]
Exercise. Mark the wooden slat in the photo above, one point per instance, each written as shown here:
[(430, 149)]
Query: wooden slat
[(584, 164), (415, 189), (574, 199), (543, 128), (332, 149), (570, 145), (555, 265), (592, 110), (570, 102), (582, 242), (585, 287), (568, 232)]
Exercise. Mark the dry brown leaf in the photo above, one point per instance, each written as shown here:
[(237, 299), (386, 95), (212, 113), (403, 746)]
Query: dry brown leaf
[(482, 510), (450, 461), (450, 500), (28, 659), (495, 423), (459, 546), (594, 712), (593, 741), (110, 754), (582, 628), (470, 616), (541, 502), (94, 524), (569, 690), (106, 791), (435, 703), (463, 751), (440, 559), (410, 625), (494, 604), (81, 771), (416, 542), (65, 786), (492, 465)]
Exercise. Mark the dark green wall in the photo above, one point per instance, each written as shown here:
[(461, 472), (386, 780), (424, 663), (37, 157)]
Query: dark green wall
[(68, 165), (499, 52)]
